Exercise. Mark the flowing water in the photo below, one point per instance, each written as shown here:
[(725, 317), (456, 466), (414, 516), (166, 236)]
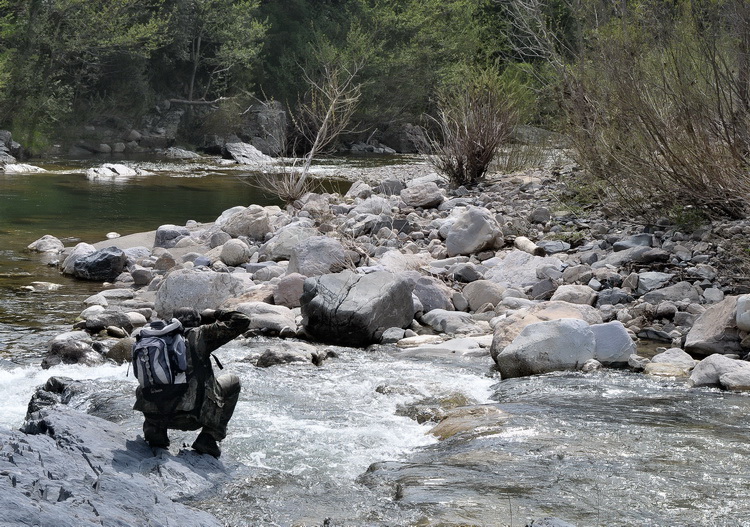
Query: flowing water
[(331, 445)]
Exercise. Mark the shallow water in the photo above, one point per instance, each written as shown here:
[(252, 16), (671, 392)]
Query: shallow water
[(330, 445)]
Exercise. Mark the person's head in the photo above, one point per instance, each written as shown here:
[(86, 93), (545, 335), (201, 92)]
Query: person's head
[(188, 316)]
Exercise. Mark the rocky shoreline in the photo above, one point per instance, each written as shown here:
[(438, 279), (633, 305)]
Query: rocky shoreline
[(505, 274)]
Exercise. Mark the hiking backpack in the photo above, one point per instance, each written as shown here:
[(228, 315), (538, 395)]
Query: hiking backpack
[(160, 360)]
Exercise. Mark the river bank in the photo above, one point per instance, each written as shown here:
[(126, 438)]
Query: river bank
[(652, 283)]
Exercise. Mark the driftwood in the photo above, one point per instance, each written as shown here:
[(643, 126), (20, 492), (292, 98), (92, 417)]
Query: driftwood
[(526, 245)]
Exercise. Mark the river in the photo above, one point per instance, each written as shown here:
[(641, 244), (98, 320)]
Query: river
[(332, 445)]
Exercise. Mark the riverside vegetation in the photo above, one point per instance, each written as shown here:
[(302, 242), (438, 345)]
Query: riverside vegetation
[(505, 275), (637, 233)]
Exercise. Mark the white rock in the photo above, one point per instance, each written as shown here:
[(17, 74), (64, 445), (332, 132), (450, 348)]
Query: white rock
[(21, 168), (45, 244)]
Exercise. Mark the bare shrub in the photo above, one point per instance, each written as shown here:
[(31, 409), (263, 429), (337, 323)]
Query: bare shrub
[(323, 115), (473, 119), (657, 99)]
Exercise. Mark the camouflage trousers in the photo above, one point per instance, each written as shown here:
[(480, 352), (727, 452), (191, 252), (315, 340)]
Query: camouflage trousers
[(214, 415)]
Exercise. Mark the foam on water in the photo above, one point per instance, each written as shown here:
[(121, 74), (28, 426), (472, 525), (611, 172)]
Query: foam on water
[(17, 385), (335, 421)]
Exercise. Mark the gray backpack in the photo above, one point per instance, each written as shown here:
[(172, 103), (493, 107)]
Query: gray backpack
[(160, 361)]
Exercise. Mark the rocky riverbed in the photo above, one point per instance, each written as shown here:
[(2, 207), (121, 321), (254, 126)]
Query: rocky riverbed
[(507, 275)]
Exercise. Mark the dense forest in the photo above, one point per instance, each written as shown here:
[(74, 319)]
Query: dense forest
[(654, 94)]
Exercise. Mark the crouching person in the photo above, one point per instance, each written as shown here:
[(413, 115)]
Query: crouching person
[(191, 398)]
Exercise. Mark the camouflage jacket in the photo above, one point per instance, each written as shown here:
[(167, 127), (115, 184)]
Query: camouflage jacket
[(200, 341)]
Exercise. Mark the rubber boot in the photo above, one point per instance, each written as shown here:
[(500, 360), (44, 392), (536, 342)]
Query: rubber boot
[(206, 444)]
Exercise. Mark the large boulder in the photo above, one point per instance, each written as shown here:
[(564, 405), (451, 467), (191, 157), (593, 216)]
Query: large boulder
[(426, 195), (519, 268), (715, 331), (108, 318), (79, 251), (742, 316), (46, 243), (71, 351), (433, 294), (451, 322), (70, 469), (268, 317), (575, 294), (102, 265), (674, 361), (710, 370), (507, 329), (317, 255), (673, 293), (544, 347), (481, 292), (111, 171), (167, 236), (201, 289), (473, 231), (235, 252), (351, 309), (283, 242), (289, 290), (613, 344), (246, 154), (253, 222)]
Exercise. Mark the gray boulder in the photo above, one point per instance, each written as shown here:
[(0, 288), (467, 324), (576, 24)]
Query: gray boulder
[(79, 251), (201, 289), (46, 243), (634, 255), (289, 353), (268, 317), (235, 252), (650, 280), (675, 357), (575, 294), (70, 469), (482, 292), (253, 222), (316, 256), (246, 154), (168, 235), (519, 268), (71, 351), (433, 294), (742, 316), (544, 347), (451, 322), (283, 242), (102, 265), (351, 309), (737, 380), (709, 371), (289, 290), (472, 232), (638, 240), (715, 331), (105, 319), (673, 293), (425, 195), (613, 344)]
